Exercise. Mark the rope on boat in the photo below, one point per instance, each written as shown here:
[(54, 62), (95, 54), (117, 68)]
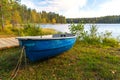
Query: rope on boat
[(16, 69), (25, 61)]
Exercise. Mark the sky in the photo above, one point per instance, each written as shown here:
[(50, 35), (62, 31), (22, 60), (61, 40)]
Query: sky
[(76, 8)]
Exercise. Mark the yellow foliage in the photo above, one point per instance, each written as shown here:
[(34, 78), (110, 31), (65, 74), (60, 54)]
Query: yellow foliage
[(16, 17), (48, 31), (44, 20), (7, 22), (53, 20)]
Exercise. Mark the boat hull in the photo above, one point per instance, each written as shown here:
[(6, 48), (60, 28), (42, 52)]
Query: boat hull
[(43, 49)]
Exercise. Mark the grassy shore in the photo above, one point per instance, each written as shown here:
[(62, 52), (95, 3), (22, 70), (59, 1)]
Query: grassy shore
[(82, 62), (28, 30)]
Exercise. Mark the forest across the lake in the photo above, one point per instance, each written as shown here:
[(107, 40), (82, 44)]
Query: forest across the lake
[(105, 19)]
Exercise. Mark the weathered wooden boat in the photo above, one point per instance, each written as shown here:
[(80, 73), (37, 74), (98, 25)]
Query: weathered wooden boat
[(37, 47)]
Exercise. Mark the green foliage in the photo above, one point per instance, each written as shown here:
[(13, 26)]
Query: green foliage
[(107, 39), (30, 30), (110, 42), (93, 31), (9, 30), (77, 29), (34, 30), (92, 36)]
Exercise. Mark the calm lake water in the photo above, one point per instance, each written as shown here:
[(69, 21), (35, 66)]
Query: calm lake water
[(114, 28)]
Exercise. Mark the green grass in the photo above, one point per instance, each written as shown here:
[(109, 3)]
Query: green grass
[(82, 62)]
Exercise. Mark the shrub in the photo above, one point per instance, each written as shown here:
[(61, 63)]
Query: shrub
[(26, 30), (77, 29), (30, 30), (92, 36), (110, 42), (35, 30), (10, 30)]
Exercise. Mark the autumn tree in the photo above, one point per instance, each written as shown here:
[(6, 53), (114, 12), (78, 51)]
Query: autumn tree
[(12, 12), (16, 18), (53, 20), (5, 11)]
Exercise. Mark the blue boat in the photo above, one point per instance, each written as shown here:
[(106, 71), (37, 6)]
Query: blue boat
[(43, 47)]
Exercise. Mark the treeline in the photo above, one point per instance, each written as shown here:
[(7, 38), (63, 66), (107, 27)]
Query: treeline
[(106, 19), (12, 12)]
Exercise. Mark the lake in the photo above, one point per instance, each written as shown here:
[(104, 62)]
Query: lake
[(114, 28)]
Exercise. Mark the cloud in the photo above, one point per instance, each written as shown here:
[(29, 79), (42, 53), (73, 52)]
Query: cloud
[(76, 8), (111, 8), (28, 3), (59, 6)]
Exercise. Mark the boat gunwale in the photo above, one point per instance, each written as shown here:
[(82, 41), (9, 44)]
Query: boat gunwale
[(39, 38)]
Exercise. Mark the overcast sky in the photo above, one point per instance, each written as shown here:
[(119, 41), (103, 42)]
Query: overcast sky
[(76, 8)]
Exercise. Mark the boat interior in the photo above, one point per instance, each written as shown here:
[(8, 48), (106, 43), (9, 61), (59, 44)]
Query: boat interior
[(62, 35), (47, 36)]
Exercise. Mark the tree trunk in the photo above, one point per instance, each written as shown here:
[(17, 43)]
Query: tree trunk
[(2, 18)]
